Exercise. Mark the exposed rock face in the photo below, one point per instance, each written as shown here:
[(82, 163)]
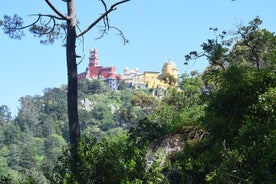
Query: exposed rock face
[(87, 105), (112, 108), (166, 146)]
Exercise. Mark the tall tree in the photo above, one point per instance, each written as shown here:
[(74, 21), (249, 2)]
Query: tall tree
[(5, 114), (239, 116), (62, 23)]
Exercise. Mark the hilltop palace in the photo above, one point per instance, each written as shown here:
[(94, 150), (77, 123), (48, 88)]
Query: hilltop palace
[(131, 77)]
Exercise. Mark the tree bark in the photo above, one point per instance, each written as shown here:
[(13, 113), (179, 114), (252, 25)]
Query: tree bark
[(72, 94)]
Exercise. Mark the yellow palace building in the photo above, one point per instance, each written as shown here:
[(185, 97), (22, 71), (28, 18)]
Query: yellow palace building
[(150, 79)]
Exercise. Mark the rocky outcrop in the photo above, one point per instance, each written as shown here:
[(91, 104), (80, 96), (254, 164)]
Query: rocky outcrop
[(87, 105), (161, 149)]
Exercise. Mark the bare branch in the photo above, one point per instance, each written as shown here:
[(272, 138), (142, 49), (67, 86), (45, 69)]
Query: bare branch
[(232, 160), (36, 21), (112, 8), (236, 177), (104, 4), (122, 35), (81, 59), (106, 20), (103, 31), (82, 42), (53, 27), (118, 3), (51, 19), (61, 15)]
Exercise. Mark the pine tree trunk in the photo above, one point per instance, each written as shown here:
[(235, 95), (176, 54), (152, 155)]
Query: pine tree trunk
[(72, 94)]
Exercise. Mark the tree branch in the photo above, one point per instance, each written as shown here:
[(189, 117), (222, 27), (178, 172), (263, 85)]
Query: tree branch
[(232, 161), (36, 21), (112, 8), (105, 20), (62, 16), (125, 40), (48, 15)]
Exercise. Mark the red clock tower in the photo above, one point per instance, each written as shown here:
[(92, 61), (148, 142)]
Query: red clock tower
[(94, 71)]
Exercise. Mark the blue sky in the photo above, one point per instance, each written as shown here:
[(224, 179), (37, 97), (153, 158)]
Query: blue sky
[(158, 30)]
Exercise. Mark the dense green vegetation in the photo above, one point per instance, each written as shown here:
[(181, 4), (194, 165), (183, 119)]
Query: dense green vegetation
[(221, 125)]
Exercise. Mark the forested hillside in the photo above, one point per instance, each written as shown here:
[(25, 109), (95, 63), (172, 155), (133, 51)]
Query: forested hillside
[(215, 127), (32, 141)]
